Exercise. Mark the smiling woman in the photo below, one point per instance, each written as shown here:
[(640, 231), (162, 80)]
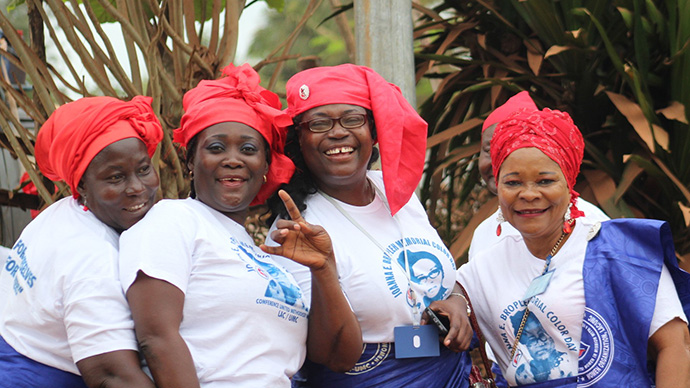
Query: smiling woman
[(120, 185), (63, 312), (580, 302), (386, 249), (207, 302)]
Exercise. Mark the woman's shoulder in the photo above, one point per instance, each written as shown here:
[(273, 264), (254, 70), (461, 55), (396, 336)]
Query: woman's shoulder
[(172, 208), (166, 215)]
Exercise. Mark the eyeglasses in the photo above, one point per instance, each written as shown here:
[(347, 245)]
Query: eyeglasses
[(324, 124)]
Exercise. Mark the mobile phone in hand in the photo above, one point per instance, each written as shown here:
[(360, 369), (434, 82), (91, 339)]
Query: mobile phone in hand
[(441, 321)]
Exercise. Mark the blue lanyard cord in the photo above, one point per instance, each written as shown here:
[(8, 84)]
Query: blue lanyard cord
[(543, 272)]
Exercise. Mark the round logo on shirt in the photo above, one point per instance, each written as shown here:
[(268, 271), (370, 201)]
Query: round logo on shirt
[(419, 263), (596, 349), (374, 359)]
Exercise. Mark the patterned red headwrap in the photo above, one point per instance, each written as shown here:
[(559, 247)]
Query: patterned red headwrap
[(551, 131), (519, 101), (237, 97), (400, 130), (76, 132)]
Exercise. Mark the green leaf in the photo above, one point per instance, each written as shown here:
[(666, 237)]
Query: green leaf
[(278, 5), (14, 4)]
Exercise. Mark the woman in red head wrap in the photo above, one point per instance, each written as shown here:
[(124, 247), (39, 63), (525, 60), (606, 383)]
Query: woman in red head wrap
[(386, 249), (579, 300), (211, 308), (63, 309)]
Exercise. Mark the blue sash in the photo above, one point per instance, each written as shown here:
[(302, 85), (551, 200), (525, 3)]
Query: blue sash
[(621, 276), (18, 371), (378, 367)]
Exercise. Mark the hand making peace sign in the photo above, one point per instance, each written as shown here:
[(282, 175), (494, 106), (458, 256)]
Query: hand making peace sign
[(307, 244)]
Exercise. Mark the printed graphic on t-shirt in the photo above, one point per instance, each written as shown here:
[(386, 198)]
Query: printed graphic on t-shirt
[(431, 268), (18, 268), (279, 286), (539, 356)]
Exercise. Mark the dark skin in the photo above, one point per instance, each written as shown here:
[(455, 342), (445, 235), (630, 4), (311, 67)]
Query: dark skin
[(121, 185), (342, 175), (484, 162), (335, 338), (229, 162)]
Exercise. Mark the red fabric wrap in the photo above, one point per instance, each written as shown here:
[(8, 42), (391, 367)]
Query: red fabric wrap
[(76, 132), (519, 101), (237, 97), (401, 132), (551, 131)]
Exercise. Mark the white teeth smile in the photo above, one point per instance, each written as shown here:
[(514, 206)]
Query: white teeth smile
[(230, 180), (340, 150), (136, 207), (530, 211)]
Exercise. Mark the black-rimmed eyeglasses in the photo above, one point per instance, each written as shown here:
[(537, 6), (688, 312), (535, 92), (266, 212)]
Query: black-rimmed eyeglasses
[(324, 124)]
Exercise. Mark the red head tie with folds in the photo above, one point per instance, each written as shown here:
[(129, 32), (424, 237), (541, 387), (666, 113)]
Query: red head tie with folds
[(520, 101), (401, 132), (76, 132), (237, 97), (551, 131)]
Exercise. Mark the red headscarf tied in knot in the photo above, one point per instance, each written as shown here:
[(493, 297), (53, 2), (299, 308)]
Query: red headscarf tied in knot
[(401, 132), (237, 97), (76, 132), (520, 101), (551, 131)]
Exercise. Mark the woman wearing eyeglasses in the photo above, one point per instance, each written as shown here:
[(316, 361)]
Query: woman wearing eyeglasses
[(391, 262)]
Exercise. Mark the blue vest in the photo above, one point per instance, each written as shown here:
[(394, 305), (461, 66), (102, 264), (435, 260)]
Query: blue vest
[(621, 274), (621, 277)]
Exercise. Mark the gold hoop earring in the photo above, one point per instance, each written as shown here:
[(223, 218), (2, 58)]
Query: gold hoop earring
[(265, 179)]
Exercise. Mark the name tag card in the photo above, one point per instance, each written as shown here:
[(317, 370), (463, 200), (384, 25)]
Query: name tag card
[(416, 341), (538, 286)]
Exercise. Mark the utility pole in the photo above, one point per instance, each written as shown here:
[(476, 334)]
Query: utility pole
[(383, 34)]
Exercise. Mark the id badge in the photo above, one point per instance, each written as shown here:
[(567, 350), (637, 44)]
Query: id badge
[(416, 341), (538, 286)]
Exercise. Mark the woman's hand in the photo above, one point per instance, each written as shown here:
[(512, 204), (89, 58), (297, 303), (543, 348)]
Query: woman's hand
[(460, 331), (300, 241)]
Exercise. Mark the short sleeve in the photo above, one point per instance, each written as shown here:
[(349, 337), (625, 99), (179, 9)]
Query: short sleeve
[(667, 305), (97, 318), (161, 245)]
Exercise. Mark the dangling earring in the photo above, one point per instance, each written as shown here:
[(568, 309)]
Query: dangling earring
[(567, 221), (500, 220), (265, 179), (85, 206)]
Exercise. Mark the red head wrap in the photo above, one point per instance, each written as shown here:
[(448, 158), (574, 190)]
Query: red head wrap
[(237, 97), (400, 130), (519, 101), (76, 132), (551, 131)]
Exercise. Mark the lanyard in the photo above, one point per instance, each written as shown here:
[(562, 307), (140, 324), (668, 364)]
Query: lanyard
[(526, 314), (406, 270)]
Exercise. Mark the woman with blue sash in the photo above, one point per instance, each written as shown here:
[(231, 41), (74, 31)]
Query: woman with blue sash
[(573, 302), (391, 262)]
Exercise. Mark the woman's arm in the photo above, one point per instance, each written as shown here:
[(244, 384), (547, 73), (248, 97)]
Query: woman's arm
[(455, 308), (157, 312), (118, 369), (334, 336), (671, 345)]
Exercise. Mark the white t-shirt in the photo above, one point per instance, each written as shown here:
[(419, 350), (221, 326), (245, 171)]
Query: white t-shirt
[(245, 318), (485, 234), (375, 281), (60, 297), (497, 280)]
